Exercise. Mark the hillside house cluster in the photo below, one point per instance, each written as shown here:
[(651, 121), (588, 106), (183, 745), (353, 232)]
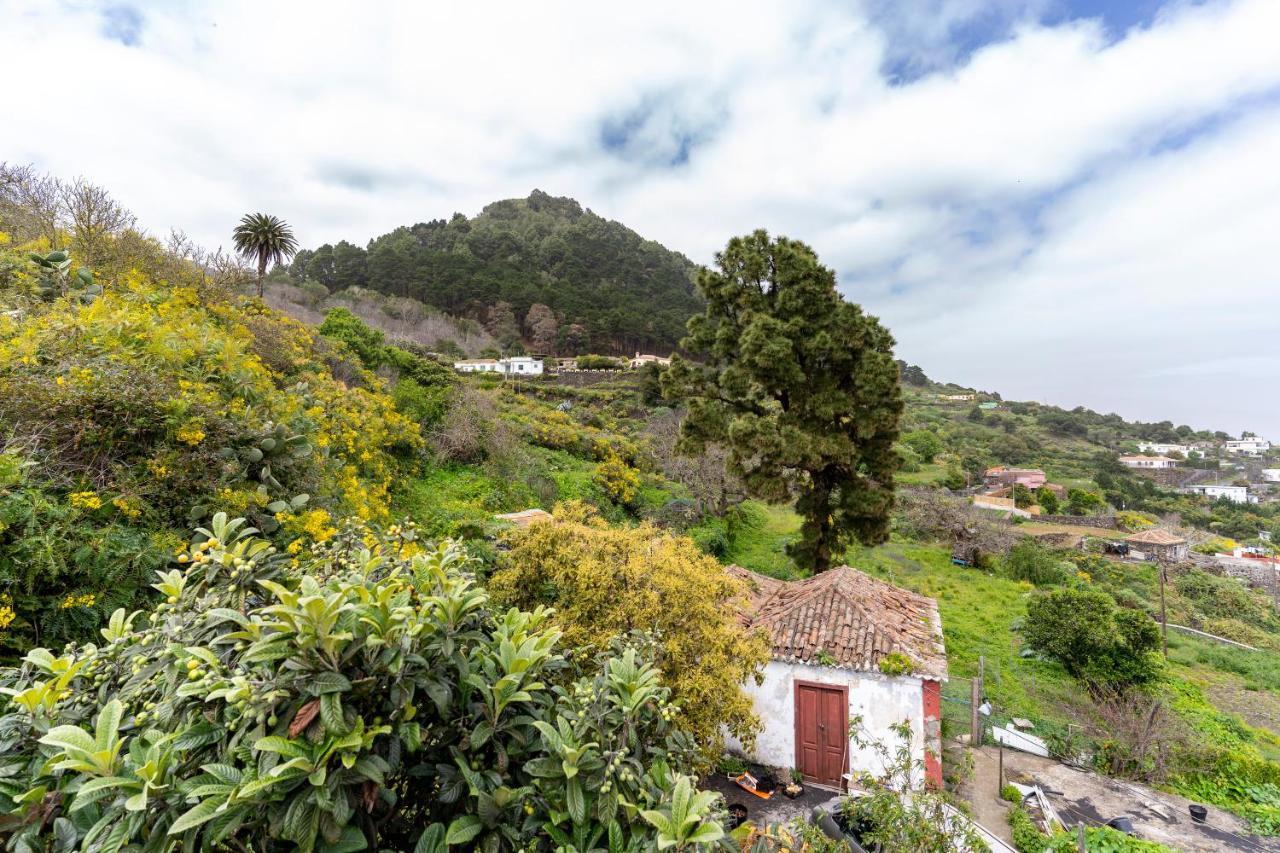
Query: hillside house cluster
[(843, 645), (642, 359)]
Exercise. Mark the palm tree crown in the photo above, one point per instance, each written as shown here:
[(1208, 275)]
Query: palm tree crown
[(264, 239)]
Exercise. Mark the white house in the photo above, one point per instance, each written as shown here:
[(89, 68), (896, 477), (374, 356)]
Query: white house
[(1271, 475), (1161, 449), (517, 366), (1248, 446), (641, 360), (829, 636), (1235, 494), (1148, 462)]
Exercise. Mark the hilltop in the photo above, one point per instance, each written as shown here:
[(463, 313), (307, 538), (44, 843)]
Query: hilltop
[(540, 270)]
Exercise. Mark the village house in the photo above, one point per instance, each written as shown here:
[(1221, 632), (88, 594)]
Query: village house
[(1158, 449), (1214, 491), (521, 365), (1148, 462), (1252, 446), (1032, 478), (1159, 544), (844, 645), (641, 360), (1271, 475), (958, 398)]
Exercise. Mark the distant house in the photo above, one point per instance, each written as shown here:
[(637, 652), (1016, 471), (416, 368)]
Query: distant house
[(641, 360), (522, 365), (988, 406), (1160, 544), (1148, 462), (829, 636), (958, 398), (1248, 446), (476, 365), (1271, 475), (1214, 491), (1158, 449), (1032, 478)]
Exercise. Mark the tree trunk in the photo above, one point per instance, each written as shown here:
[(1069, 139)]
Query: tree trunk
[(262, 273)]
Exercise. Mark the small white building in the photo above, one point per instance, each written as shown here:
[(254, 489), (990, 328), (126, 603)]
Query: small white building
[(1235, 494), (1252, 446), (1148, 462), (1159, 449), (642, 359), (958, 398), (522, 365), (1271, 475), (829, 635)]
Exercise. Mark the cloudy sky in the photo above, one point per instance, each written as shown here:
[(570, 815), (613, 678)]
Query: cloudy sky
[(1075, 201)]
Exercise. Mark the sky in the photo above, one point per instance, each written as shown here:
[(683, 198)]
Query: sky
[(1071, 201)]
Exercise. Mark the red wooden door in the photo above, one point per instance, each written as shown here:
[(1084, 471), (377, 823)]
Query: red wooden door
[(822, 738)]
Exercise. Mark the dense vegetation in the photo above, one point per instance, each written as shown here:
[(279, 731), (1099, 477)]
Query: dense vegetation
[(539, 269)]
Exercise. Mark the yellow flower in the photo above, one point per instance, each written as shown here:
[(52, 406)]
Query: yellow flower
[(190, 433), (6, 616), (85, 500)]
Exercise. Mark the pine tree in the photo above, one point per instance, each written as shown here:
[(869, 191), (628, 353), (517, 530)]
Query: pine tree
[(800, 385)]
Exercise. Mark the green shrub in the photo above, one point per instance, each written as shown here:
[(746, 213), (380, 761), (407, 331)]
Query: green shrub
[(1032, 562), (1092, 638), (368, 699), (598, 362), (1027, 838)]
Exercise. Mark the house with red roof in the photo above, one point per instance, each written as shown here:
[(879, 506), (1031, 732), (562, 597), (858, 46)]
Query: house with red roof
[(844, 645)]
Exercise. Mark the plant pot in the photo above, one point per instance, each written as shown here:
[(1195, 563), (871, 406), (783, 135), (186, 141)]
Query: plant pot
[(737, 815), (793, 790), (1198, 813)]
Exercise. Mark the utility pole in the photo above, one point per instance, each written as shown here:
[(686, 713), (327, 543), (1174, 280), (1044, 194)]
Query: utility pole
[(1164, 622)]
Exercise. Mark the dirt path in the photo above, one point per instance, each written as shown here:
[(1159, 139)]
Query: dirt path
[(982, 792)]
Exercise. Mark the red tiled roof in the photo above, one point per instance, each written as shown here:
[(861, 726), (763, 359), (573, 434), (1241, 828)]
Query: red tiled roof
[(1155, 536), (851, 616)]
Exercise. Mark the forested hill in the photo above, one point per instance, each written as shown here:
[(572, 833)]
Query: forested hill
[(540, 269)]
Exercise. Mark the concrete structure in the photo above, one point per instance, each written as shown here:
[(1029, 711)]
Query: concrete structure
[(1001, 504), (1248, 446), (521, 365), (1032, 478), (1148, 462), (1214, 491), (1158, 449), (1271, 475), (641, 360), (958, 398), (1160, 544), (828, 635), (525, 517)]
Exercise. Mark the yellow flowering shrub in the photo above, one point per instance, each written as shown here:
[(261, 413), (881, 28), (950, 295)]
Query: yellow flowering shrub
[(150, 391), (618, 479), (605, 581)]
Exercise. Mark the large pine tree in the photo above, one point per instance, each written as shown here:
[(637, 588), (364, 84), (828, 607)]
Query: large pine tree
[(800, 385)]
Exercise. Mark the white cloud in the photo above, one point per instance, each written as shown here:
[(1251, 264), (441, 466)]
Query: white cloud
[(1030, 194)]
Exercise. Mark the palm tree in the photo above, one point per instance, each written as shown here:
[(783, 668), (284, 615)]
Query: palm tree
[(265, 239)]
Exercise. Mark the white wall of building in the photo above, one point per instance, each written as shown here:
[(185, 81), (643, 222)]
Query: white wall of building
[(1161, 449), (1236, 494), (1271, 475), (880, 701)]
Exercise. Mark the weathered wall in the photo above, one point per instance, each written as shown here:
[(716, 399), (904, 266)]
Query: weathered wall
[(879, 700), (1107, 521)]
